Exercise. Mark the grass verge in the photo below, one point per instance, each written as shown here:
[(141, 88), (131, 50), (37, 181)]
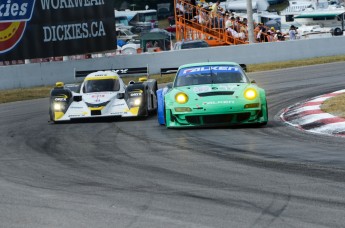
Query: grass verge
[(42, 92), (335, 106)]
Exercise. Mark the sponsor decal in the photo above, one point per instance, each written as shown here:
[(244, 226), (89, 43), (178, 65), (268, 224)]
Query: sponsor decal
[(122, 71), (73, 31), (98, 95), (202, 89), (14, 14), (60, 99), (218, 102), (208, 69), (64, 4), (115, 105), (135, 94), (116, 113), (227, 87)]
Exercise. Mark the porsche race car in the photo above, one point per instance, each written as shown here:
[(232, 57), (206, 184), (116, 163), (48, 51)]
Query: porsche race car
[(211, 94), (102, 94)]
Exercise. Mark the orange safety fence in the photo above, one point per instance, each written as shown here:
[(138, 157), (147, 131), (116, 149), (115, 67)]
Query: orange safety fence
[(196, 22)]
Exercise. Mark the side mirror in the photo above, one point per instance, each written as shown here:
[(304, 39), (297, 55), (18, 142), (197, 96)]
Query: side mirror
[(59, 85), (244, 67), (143, 79), (253, 81), (120, 96), (169, 85)]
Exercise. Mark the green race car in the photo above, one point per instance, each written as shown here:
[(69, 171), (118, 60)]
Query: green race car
[(211, 94)]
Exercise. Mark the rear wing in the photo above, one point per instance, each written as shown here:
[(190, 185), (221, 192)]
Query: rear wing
[(120, 71), (169, 70)]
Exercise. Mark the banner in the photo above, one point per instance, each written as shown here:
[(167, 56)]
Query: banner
[(51, 28)]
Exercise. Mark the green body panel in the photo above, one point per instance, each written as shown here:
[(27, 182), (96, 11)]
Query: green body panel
[(221, 104)]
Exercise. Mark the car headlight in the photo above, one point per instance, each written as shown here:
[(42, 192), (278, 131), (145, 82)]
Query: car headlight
[(250, 94), (58, 106), (181, 98), (137, 102)]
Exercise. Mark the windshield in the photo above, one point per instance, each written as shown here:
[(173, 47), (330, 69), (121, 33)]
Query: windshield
[(127, 33), (148, 17), (210, 75), (103, 85), (121, 20), (194, 45)]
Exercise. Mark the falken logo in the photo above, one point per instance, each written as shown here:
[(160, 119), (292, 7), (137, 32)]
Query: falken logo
[(14, 14)]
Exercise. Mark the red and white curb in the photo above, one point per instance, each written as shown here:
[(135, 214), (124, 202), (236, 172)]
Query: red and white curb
[(309, 117)]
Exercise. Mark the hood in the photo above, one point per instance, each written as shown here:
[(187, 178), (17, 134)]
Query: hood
[(99, 98), (207, 90)]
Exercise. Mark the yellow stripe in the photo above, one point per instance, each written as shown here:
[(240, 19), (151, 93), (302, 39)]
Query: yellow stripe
[(95, 109), (134, 110), (58, 115)]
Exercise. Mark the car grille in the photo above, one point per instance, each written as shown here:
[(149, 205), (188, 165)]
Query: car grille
[(96, 112), (218, 119), (217, 93)]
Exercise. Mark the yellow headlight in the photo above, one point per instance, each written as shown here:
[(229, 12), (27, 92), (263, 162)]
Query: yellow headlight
[(250, 94), (181, 98)]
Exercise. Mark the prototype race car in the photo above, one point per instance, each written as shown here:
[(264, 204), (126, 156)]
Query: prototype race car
[(211, 94), (102, 94)]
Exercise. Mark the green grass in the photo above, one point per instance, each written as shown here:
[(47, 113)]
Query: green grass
[(41, 92), (335, 105)]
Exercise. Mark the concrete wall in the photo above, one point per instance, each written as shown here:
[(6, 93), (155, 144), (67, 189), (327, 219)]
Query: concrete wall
[(38, 74)]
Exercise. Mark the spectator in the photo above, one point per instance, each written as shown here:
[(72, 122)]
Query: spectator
[(193, 5), (243, 31), (279, 36), (229, 22), (203, 17), (261, 33), (292, 32), (216, 22), (149, 44), (180, 7), (156, 44)]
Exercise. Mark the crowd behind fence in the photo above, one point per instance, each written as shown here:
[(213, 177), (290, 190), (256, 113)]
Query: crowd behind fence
[(212, 17)]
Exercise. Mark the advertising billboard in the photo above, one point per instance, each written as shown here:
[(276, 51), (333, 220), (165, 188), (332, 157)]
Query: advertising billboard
[(51, 28)]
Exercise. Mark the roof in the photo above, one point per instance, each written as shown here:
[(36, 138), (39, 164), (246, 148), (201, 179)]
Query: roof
[(154, 36), (209, 64), (320, 14), (102, 75), (191, 41)]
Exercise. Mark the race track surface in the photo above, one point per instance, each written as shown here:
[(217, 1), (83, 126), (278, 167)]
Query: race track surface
[(135, 173)]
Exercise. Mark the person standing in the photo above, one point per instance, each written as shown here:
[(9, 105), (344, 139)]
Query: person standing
[(292, 33), (214, 14)]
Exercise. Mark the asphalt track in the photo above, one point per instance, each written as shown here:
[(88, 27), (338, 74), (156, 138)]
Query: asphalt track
[(138, 174)]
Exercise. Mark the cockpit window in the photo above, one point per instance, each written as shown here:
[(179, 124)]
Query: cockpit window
[(210, 75), (103, 85)]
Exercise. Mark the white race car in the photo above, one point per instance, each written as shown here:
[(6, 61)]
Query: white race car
[(102, 94)]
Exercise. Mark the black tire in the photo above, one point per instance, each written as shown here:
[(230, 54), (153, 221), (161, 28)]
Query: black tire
[(155, 88), (337, 32)]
